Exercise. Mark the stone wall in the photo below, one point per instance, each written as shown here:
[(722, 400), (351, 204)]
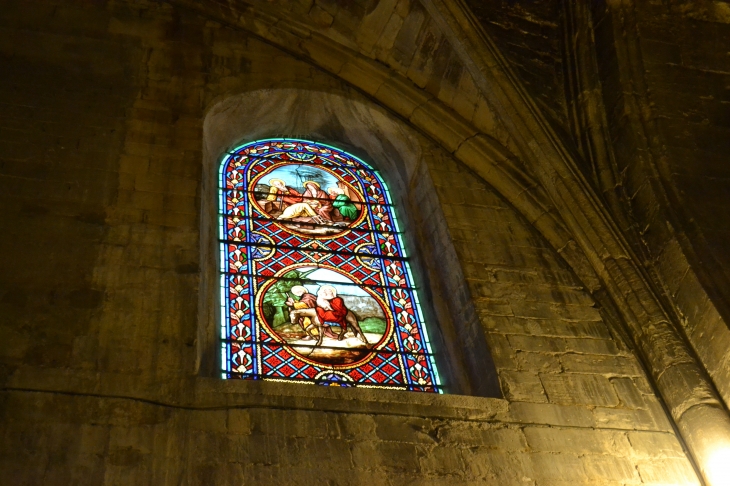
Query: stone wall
[(66, 90), (560, 362), (104, 164), (664, 89), (242, 433), (530, 36)]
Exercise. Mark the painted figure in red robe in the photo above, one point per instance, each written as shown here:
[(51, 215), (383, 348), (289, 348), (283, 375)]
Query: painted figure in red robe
[(331, 308), (303, 312)]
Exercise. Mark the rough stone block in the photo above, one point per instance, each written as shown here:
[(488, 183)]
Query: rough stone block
[(148, 200), (93, 438), (545, 327), (321, 17), (364, 74), (239, 422), (667, 471), (537, 344), (590, 363), (131, 164), (576, 389), (655, 444), (558, 466), (392, 93), (402, 429), (551, 414), (538, 362), (596, 330), (578, 441), (443, 460), (390, 455), (621, 418), (300, 450), (499, 467), (538, 310), (592, 346), (209, 421), (607, 468), (522, 386), (504, 358), (628, 393), (482, 436), (354, 426), (493, 307), (465, 99), (298, 423)]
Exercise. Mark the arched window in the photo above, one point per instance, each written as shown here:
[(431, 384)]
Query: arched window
[(315, 281)]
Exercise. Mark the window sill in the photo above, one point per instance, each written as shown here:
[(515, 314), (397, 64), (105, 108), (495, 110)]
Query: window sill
[(202, 393), (301, 396)]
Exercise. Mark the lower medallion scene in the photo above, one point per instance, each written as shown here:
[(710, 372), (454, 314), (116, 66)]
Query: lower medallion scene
[(324, 315)]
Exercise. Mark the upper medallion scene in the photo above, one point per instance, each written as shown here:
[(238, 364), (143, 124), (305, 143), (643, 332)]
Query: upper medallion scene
[(306, 199)]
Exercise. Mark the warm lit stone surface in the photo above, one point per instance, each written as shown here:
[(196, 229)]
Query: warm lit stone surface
[(113, 117)]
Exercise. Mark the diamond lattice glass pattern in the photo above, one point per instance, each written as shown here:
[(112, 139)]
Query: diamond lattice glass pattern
[(315, 282)]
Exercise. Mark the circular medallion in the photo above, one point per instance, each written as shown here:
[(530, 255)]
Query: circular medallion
[(308, 199), (324, 316)]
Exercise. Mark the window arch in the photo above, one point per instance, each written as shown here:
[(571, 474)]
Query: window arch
[(315, 281)]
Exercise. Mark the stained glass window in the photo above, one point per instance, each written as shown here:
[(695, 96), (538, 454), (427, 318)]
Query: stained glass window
[(315, 281)]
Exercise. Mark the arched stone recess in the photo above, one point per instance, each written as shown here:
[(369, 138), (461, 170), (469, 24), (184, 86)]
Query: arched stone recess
[(402, 156)]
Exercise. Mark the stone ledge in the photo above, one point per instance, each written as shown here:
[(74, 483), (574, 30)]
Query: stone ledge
[(201, 393), (351, 400)]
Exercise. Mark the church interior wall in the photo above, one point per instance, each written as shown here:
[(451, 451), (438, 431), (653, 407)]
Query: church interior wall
[(107, 376)]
